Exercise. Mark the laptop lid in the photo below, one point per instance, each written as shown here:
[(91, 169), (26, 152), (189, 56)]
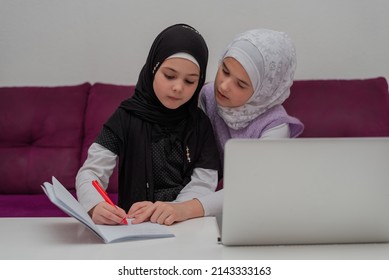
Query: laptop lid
[(306, 191)]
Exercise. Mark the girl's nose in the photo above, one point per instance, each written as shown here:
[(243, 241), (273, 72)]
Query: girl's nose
[(225, 85), (177, 87)]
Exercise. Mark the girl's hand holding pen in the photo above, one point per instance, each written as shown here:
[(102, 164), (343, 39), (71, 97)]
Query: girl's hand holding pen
[(106, 214)]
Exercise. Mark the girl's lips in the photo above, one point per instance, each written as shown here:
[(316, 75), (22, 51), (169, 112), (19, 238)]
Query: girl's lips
[(173, 98), (221, 95)]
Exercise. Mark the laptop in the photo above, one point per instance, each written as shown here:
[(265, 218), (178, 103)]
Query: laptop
[(306, 191)]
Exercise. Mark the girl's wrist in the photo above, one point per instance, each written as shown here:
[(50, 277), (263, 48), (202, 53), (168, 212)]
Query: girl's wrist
[(193, 209)]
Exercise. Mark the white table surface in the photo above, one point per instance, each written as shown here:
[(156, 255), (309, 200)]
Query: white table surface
[(67, 239)]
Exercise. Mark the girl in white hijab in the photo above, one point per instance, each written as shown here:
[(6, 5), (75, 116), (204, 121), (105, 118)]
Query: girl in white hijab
[(245, 101), (253, 80)]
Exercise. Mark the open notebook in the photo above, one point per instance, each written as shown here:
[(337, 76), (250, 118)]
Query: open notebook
[(306, 191), (61, 197)]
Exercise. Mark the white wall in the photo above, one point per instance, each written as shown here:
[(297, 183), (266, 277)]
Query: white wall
[(58, 42)]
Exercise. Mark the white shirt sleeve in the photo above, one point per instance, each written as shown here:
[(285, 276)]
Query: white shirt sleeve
[(212, 203), (99, 165), (203, 182), (279, 131)]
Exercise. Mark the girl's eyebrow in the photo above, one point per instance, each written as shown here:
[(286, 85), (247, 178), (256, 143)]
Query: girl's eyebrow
[(175, 71)]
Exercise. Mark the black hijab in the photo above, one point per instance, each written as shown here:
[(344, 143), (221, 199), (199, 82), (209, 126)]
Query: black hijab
[(174, 39), (133, 121)]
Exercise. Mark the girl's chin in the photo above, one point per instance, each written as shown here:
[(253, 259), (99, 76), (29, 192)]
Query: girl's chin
[(171, 105)]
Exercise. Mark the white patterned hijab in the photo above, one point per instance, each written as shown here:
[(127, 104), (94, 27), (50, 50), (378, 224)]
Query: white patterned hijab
[(269, 58)]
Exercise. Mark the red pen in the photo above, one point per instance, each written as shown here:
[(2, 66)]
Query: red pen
[(101, 191)]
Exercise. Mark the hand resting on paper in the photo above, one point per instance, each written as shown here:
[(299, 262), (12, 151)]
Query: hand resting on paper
[(165, 213), (105, 214)]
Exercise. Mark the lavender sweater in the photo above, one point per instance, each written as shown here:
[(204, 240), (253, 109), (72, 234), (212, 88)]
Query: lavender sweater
[(270, 119)]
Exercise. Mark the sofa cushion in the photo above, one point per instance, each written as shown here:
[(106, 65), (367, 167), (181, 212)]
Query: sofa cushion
[(41, 133), (341, 108), (103, 101)]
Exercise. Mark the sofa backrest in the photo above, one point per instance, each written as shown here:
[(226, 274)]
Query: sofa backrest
[(46, 131), (102, 102), (341, 108), (41, 129)]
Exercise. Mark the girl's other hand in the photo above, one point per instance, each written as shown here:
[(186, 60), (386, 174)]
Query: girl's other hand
[(165, 213), (141, 212)]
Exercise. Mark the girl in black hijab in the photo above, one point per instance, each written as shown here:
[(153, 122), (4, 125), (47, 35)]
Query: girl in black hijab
[(165, 144)]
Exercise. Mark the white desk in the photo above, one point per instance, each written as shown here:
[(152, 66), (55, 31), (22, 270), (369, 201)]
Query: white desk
[(67, 239)]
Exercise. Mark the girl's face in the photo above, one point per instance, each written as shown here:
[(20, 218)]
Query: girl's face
[(176, 81), (233, 86)]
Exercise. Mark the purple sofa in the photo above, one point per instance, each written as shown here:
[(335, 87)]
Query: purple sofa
[(46, 131)]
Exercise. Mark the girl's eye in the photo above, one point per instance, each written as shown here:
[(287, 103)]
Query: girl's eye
[(189, 82), (169, 77), (241, 85)]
